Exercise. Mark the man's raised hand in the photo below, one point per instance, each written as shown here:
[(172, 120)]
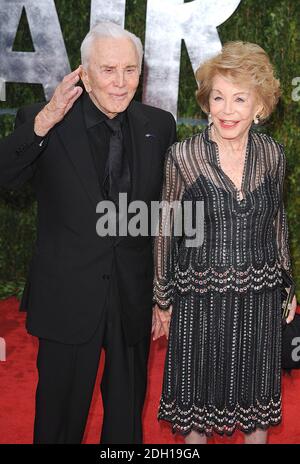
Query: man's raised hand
[(66, 93)]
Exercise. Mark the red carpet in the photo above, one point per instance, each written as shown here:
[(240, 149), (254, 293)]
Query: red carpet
[(18, 380)]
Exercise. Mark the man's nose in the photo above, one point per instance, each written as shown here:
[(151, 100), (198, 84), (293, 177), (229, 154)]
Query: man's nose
[(119, 79)]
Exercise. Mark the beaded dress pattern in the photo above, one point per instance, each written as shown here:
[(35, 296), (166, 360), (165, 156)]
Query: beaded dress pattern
[(223, 363)]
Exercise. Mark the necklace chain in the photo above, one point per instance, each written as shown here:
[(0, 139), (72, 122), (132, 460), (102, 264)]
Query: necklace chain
[(245, 150)]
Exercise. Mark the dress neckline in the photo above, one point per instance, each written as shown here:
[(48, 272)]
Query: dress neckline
[(223, 173)]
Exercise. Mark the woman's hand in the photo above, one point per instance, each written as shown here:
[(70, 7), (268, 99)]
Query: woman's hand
[(161, 322), (292, 310)]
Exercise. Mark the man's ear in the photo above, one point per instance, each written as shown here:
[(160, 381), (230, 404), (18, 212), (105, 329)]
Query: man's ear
[(85, 78)]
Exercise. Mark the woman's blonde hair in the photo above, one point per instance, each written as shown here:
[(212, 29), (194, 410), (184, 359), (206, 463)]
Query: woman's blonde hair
[(241, 63)]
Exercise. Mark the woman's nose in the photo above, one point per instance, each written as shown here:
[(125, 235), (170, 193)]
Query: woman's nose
[(227, 107)]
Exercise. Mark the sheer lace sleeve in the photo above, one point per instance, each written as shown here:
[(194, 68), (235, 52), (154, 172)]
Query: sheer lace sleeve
[(167, 241), (280, 223)]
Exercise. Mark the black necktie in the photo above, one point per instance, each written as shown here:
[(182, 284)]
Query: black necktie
[(117, 173)]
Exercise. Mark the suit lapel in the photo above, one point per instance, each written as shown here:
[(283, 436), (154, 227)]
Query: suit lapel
[(73, 135), (142, 146)]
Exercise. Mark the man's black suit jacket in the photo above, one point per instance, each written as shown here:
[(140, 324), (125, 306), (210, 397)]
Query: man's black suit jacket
[(71, 265)]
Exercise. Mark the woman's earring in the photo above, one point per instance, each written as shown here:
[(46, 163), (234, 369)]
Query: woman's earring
[(256, 119), (209, 118)]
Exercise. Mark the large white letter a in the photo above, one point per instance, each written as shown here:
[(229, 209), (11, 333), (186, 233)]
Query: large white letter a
[(49, 62)]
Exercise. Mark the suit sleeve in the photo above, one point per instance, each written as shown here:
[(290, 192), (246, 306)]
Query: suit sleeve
[(173, 135), (19, 152)]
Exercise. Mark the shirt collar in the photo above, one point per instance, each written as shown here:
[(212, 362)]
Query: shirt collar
[(93, 115)]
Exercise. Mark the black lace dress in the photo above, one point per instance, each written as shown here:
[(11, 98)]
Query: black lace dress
[(223, 364)]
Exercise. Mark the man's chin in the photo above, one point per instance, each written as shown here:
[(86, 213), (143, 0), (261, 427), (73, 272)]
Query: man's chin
[(115, 109)]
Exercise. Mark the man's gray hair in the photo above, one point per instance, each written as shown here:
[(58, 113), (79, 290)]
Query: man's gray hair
[(109, 30)]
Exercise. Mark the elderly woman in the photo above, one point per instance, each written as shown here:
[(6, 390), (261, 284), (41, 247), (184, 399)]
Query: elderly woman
[(223, 364)]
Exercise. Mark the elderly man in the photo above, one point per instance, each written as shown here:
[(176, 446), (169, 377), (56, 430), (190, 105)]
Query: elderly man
[(86, 292)]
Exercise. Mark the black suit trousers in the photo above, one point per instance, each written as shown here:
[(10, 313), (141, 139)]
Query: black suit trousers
[(67, 375)]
